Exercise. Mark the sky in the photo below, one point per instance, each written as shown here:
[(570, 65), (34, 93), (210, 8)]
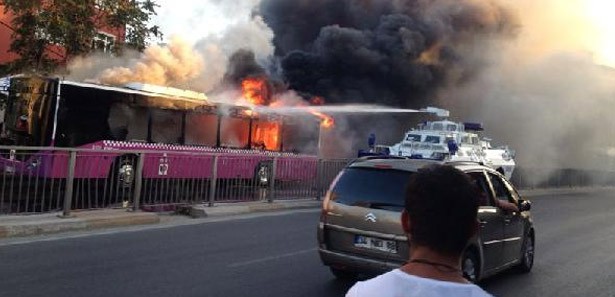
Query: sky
[(195, 19)]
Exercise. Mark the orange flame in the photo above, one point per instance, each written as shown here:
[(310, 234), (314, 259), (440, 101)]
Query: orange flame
[(267, 136), (255, 90), (325, 120)]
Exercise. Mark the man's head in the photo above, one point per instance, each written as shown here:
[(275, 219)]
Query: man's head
[(441, 209)]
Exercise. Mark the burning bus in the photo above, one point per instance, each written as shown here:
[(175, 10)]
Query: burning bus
[(55, 114)]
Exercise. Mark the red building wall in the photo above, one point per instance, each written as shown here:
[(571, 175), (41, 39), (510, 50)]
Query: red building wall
[(54, 52), (5, 37)]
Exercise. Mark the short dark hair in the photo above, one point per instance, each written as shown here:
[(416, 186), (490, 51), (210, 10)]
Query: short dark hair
[(442, 203)]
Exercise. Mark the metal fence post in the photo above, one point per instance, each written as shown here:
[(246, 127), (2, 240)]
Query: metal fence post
[(68, 191), (319, 182), (274, 168), (138, 182), (212, 182)]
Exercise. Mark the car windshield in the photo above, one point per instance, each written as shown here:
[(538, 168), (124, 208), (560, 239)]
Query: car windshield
[(372, 188)]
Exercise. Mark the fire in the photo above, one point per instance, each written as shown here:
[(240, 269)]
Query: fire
[(325, 120), (267, 136), (255, 90)]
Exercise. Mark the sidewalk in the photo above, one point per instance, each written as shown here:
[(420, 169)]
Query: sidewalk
[(32, 225), (52, 223)]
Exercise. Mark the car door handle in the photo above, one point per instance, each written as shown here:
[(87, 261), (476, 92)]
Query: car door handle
[(482, 223), (507, 220)]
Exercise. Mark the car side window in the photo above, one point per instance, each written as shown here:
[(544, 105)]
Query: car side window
[(499, 187), (512, 190), (483, 187)]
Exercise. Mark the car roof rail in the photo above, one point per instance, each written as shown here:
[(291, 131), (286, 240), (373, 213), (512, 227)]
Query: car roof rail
[(378, 157), (382, 157), (468, 162)]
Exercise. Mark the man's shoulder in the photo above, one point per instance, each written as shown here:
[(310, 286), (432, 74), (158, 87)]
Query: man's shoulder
[(377, 285), (398, 283)]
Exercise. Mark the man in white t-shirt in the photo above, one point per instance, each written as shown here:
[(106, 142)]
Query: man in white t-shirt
[(439, 218)]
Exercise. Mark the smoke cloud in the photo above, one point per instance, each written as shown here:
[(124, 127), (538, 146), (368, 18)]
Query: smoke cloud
[(545, 94), (199, 66), (391, 52), (160, 65)]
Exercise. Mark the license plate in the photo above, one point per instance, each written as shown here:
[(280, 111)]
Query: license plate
[(371, 243)]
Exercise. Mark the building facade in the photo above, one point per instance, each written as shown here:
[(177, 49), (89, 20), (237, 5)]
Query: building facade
[(105, 39)]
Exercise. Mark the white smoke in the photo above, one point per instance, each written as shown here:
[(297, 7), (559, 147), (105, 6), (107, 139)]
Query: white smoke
[(215, 50), (198, 65), (544, 93)]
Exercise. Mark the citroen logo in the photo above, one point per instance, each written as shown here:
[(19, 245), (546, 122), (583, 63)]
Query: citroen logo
[(370, 217)]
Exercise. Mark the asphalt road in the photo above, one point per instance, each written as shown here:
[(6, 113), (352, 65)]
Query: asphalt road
[(275, 255)]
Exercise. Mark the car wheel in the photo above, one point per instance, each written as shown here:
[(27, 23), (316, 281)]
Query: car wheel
[(470, 266), (527, 255), (343, 274)]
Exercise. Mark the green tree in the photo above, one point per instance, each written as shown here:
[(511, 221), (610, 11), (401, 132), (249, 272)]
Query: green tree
[(67, 28)]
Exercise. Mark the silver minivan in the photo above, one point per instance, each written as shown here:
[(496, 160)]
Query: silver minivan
[(360, 231)]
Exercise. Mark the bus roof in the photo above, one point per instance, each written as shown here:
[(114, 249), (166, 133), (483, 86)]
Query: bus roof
[(183, 96)]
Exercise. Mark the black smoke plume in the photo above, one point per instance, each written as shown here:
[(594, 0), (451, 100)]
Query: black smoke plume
[(397, 52), (243, 64)]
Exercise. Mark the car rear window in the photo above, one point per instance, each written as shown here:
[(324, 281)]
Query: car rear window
[(372, 188)]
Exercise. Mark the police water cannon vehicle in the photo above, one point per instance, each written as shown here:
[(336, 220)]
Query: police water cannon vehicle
[(447, 140)]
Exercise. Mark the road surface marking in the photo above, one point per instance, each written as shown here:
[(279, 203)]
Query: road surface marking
[(272, 258)]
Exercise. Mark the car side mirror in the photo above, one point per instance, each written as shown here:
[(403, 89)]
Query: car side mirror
[(525, 205)]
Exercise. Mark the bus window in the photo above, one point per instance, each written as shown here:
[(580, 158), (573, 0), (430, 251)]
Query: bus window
[(201, 129), (266, 135), (137, 125), (28, 112), (234, 132), (83, 117), (166, 126)]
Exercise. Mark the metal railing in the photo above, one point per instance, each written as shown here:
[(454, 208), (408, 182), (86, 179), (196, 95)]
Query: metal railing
[(36, 180)]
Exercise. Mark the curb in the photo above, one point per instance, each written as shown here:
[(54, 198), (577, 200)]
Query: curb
[(203, 211), (23, 226), (47, 224)]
